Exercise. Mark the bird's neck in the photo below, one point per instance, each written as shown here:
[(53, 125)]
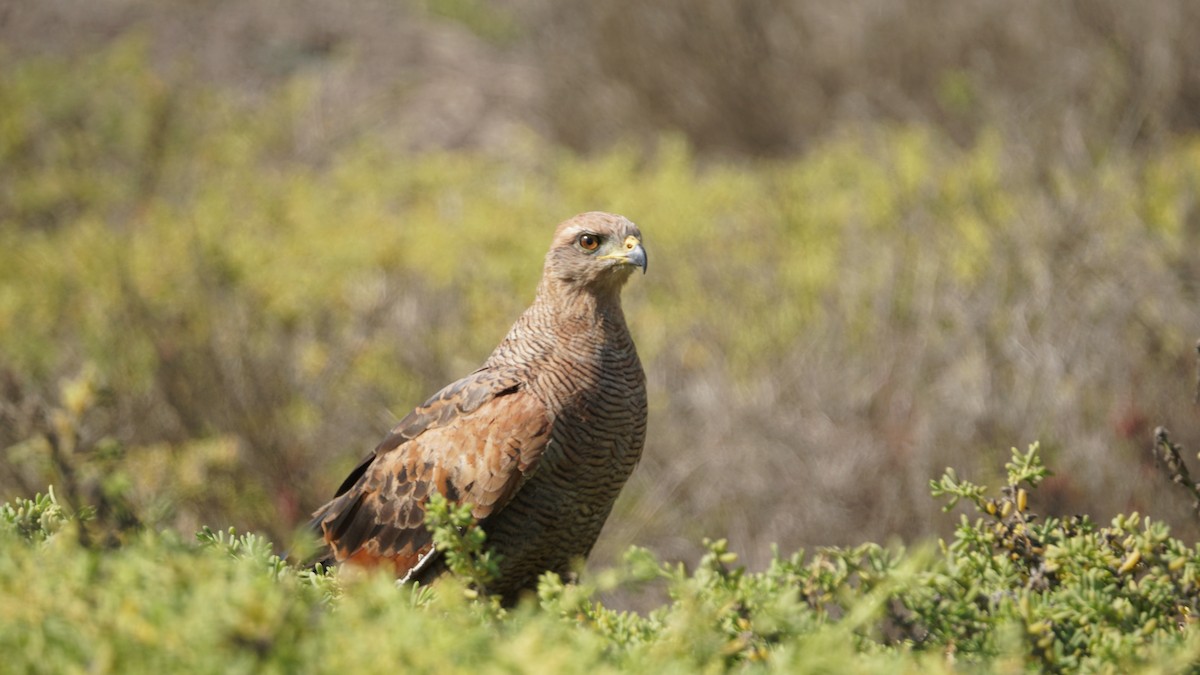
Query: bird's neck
[(561, 322), (583, 308)]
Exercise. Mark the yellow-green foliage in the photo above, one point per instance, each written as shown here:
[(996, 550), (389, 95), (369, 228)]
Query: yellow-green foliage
[(1007, 593), (119, 193)]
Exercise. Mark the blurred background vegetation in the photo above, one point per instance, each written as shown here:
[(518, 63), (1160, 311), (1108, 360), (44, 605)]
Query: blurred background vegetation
[(239, 239)]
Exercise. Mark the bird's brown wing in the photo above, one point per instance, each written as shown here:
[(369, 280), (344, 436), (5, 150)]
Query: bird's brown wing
[(476, 441)]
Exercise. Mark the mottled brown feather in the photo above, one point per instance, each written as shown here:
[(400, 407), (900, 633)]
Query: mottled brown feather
[(475, 442)]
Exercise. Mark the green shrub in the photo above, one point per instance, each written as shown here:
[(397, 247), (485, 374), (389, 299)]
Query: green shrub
[(1008, 592), (34, 519)]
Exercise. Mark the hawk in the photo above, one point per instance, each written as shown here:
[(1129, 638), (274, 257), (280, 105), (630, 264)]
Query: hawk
[(538, 441)]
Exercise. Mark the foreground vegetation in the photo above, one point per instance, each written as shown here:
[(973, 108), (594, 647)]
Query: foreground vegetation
[(1007, 592)]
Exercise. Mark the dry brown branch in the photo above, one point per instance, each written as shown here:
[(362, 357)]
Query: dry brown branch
[(1168, 455)]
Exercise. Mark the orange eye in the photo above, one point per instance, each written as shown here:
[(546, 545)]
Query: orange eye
[(589, 242)]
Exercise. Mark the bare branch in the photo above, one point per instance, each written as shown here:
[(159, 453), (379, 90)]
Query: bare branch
[(1169, 455), (1196, 399)]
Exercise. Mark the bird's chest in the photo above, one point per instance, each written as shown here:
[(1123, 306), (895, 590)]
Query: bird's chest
[(598, 402), (599, 432)]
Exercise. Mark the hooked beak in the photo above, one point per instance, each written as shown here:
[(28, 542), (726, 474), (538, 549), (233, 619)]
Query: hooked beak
[(630, 253)]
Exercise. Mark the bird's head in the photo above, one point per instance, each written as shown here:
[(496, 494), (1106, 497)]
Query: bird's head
[(596, 252)]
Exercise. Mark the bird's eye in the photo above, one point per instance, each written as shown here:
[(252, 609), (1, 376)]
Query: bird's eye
[(589, 242)]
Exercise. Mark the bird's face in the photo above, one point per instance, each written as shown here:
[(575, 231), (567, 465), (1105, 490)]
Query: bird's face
[(596, 251)]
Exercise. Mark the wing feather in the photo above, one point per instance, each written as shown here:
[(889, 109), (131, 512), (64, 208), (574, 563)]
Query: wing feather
[(476, 442)]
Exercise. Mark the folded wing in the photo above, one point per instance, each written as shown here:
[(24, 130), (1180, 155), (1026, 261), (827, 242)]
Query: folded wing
[(475, 442)]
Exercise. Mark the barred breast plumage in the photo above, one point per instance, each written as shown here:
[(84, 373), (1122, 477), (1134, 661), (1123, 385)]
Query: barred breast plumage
[(539, 440)]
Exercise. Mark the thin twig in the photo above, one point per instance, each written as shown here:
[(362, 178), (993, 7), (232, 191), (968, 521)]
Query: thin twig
[(1196, 399), (60, 454), (1170, 455)]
